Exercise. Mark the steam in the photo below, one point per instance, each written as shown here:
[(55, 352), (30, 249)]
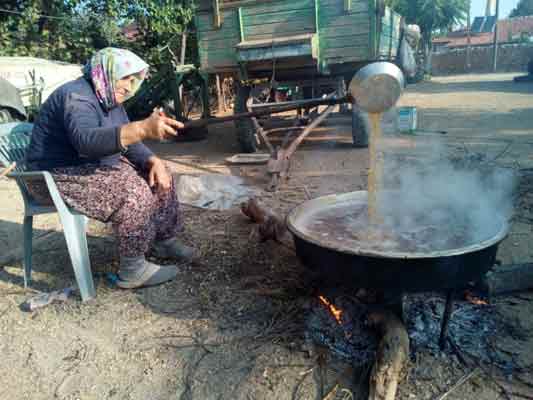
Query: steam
[(437, 195)]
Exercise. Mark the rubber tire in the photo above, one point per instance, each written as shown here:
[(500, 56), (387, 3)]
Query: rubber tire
[(359, 129), (244, 127)]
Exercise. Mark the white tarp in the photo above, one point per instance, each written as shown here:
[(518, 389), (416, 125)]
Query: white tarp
[(213, 191), (52, 74)]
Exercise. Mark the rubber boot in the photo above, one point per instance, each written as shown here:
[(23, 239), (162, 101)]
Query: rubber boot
[(174, 249), (136, 272)]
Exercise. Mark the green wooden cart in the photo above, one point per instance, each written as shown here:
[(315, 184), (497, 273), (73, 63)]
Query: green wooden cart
[(303, 46)]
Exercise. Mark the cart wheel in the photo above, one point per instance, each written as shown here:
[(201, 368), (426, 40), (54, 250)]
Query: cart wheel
[(359, 128), (245, 127)]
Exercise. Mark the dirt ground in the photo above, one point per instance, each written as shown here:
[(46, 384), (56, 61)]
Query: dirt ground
[(232, 325)]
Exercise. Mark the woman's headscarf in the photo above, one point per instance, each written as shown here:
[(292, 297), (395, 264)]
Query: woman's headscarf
[(109, 65)]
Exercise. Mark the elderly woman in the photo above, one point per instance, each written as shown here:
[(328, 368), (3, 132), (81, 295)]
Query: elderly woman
[(103, 170)]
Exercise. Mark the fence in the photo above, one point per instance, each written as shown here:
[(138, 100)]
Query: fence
[(511, 58)]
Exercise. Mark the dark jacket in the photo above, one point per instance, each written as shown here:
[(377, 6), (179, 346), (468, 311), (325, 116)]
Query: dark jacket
[(73, 129)]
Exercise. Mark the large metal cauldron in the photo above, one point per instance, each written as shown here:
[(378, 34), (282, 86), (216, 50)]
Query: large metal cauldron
[(338, 264)]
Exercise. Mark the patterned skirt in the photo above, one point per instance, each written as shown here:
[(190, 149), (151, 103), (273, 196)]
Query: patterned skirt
[(121, 195)]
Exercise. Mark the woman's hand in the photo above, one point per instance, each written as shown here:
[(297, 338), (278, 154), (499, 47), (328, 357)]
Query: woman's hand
[(158, 126), (158, 175)]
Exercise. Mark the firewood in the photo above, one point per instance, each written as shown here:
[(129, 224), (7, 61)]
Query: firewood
[(271, 226), (254, 211), (392, 355)]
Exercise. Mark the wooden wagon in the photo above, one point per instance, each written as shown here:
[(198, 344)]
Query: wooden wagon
[(303, 47)]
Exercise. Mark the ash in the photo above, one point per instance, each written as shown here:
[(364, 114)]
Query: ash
[(351, 339), (474, 329)]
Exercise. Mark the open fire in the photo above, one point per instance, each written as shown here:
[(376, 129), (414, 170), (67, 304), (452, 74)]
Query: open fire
[(339, 322), (336, 312)]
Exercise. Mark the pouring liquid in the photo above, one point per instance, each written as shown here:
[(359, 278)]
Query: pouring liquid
[(375, 172)]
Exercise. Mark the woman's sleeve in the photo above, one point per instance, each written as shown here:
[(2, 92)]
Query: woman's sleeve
[(82, 123), (138, 153)]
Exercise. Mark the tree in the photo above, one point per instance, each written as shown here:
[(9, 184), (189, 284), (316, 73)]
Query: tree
[(431, 16), (71, 30), (522, 9)]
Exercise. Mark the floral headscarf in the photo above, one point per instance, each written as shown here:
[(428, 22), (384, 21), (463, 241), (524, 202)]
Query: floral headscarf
[(109, 65)]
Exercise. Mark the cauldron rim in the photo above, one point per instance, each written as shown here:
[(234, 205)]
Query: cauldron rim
[(319, 202)]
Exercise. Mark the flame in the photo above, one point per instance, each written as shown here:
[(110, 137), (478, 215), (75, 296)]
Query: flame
[(337, 313), (471, 298)]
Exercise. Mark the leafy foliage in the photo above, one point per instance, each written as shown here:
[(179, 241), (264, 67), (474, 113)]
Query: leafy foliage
[(522, 9), (71, 30), (431, 15)]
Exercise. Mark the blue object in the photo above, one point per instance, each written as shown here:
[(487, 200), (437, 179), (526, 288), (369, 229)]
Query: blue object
[(14, 140), (73, 129), (111, 279)]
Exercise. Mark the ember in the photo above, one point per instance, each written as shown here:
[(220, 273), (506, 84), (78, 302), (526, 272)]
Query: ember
[(337, 313)]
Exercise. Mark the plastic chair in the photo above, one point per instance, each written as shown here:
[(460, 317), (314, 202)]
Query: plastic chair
[(14, 140)]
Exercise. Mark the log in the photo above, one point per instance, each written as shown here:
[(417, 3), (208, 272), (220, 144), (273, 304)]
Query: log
[(508, 279), (392, 355), (271, 226)]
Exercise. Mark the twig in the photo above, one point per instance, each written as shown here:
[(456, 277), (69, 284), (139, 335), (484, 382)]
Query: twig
[(332, 393), (8, 169), (503, 152), (522, 395), (299, 383), (463, 379), (460, 355)]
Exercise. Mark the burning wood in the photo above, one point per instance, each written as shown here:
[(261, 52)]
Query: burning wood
[(336, 312), (473, 299)]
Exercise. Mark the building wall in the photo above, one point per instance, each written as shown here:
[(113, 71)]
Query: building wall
[(511, 58)]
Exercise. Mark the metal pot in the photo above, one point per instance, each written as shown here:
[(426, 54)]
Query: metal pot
[(377, 87), (337, 264)]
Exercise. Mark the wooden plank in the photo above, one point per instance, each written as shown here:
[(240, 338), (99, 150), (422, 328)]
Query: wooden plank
[(217, 44), (333, 21), (345, 30), (346, 52), (268, 36), (217, 19), (218, 34), (259, 54), (241, 25), (205, 21), (279, 29), (357, 8), (315, 45), (346, 41), (218, 57), (374, 37), (277, 6), (347, 5), (241, 3), (340, 3), (286, 16)]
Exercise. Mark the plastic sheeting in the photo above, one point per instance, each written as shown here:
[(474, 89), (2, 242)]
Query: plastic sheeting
[(213, 191)]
